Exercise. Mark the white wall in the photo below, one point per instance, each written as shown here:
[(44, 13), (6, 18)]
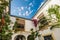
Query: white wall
[(28, 25), (56, 33)]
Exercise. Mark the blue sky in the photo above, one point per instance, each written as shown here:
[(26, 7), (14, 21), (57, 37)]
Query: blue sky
[(25, 8)]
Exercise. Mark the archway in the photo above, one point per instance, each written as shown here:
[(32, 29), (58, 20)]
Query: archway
[(20, 37), (30, 37)]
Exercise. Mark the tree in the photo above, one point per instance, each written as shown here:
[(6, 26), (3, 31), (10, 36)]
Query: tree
[(55, 9), (5, 32)]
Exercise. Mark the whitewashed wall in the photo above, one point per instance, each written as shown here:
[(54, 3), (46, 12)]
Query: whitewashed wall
[(28, 25), (56, 33)]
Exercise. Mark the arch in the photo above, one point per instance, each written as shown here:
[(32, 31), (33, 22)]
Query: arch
[(29, 37), (20, 37)]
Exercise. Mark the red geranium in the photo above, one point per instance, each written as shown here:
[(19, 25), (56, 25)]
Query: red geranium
[(35, 22)]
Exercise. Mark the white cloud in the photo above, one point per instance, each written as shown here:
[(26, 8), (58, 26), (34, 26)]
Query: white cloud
[(27, 13), (23, 14), (20, 14), (30, 12), (19, 10), (22, 8), (29, 8), (31, 4)]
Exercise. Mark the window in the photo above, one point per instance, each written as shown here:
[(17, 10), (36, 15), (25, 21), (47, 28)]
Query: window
[(43, 21), (20, 25), (48, 37)]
